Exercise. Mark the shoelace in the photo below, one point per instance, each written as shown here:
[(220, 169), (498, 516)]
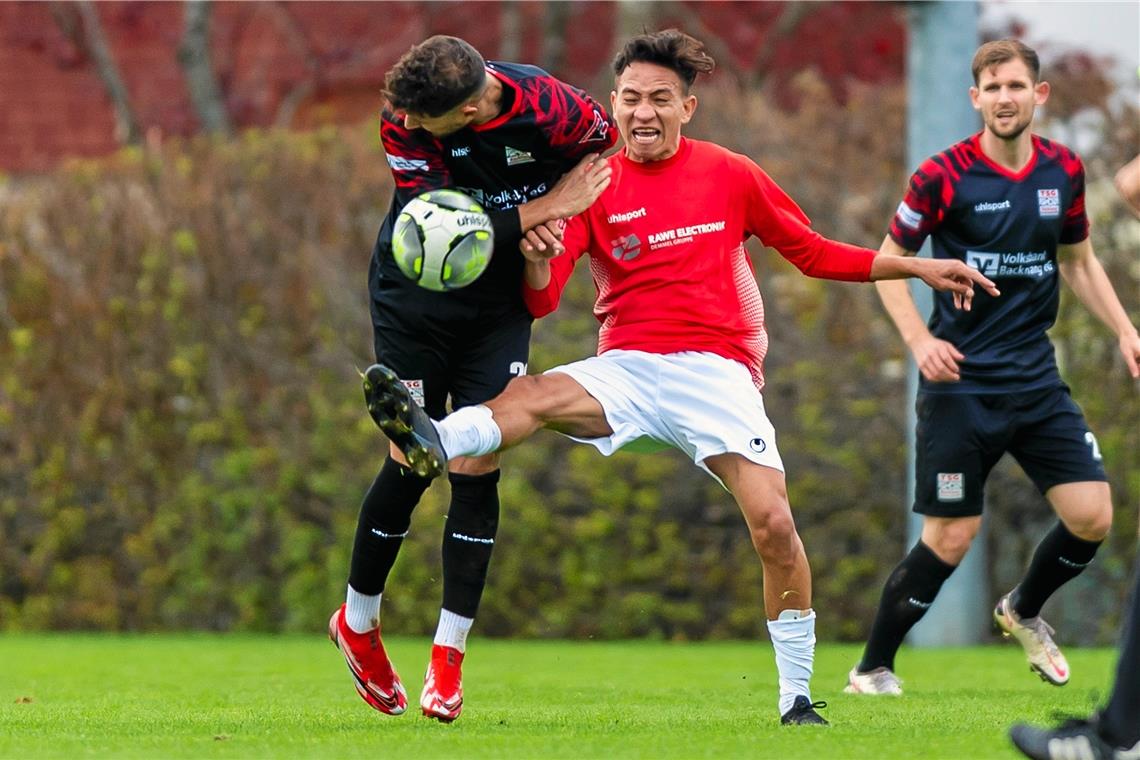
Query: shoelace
[(1044, 633)]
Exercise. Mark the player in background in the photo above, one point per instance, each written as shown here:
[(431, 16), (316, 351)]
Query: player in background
[(1011, 204), (682, 337), (521, 143), (1113, 733)]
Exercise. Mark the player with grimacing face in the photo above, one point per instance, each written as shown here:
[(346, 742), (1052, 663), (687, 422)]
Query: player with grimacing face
[(682, 338)]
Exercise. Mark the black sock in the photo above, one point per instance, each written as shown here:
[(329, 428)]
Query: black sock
[(907, 595), (1059, 558), (1120, 721), (468, 540), (385, 516)]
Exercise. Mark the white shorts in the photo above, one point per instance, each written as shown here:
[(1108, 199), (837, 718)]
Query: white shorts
[(700, 403)]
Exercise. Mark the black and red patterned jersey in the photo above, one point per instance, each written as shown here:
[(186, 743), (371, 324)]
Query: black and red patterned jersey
[(546, 126), (1008, 226)]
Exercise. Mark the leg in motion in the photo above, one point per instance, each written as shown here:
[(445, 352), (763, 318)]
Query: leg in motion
[(762, 496), (1085, 510), (909, 592), (354, 628)]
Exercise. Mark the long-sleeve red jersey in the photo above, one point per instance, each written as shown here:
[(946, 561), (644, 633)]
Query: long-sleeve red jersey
[(666, 247)]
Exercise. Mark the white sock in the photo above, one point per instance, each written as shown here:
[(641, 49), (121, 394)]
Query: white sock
[(452, 630), (793, 638), (361, 611), (469, 432)]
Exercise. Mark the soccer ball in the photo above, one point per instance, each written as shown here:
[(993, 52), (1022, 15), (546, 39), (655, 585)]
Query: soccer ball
[(442, 240)]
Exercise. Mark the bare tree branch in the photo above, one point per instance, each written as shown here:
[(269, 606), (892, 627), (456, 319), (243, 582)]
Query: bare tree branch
[(510, 32), (89, 36), (791, 16), (194, 57), (556, 23)]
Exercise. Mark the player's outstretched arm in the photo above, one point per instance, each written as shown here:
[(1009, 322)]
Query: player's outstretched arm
[(935, 358), (1083, 272)]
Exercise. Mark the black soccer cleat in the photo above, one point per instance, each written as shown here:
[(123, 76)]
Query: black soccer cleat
[(1074, 738), (403, 421), (803, 713)]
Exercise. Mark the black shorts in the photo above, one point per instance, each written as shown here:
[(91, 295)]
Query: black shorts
[(445, 348), (961, 436)]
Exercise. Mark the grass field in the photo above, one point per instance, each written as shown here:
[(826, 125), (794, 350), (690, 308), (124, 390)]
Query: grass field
[(284, 697)]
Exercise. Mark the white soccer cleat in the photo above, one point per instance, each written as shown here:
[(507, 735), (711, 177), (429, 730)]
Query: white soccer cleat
[(881, 680), (1036, 637)]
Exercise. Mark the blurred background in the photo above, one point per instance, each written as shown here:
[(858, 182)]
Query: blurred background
[(188, 200)]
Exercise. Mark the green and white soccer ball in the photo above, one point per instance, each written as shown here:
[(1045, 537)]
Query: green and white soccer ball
[(442, 240)]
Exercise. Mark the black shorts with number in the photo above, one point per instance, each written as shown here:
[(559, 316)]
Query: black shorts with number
[(961, 436), (449, 347)]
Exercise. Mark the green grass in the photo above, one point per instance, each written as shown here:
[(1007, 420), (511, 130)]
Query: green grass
[(67, 696)]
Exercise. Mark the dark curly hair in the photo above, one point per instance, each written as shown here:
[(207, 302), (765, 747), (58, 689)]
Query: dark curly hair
[(670, 48), (435, 76)]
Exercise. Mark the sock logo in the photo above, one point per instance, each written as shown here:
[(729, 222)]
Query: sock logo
[(472, 539)]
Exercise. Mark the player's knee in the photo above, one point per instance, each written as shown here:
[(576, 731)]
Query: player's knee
[(952, 541), (774, 536), (1091, 525)]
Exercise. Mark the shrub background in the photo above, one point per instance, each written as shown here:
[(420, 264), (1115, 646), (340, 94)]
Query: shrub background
[(183, 443)]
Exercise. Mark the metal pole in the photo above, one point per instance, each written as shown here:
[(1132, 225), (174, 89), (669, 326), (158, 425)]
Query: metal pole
[(942, 37)]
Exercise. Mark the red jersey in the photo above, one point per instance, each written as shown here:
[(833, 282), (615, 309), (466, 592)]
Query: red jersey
[(666, 246)]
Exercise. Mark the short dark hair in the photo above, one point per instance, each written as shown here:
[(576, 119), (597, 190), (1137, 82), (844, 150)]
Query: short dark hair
[(670, 48), (435, 76), (999, 51)]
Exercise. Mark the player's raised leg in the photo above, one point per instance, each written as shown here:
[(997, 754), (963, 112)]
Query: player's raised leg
[(407, 426), (1085, 510)]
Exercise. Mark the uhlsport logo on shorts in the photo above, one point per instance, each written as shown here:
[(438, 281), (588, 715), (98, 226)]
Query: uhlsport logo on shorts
[(415, 390), (951, 486)]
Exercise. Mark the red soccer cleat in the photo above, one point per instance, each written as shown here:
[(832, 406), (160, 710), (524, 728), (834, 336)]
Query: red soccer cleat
[(376, 679), (442, 697)]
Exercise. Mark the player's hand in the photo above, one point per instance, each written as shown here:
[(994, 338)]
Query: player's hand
[(578, 188), (957, 278), (1130, 348), (937, 359), (544, 241)]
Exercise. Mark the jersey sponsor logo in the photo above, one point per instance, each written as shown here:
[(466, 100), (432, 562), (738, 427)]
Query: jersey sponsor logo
[(685, 234), (401, 164), (986, 263), (951, 486), (461, 151), (758, 445), (1029, 264), (599, 131), (992, 207), (415, 390), (506, 198), (908, 217), (1049, 202), (516, 157), (626, 248), (626, 216)]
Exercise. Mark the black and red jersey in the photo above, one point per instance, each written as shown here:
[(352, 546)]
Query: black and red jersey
[(545, 127), (1007, 226)]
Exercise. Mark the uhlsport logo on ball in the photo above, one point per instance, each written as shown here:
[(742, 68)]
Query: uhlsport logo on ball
[(442, 240)]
